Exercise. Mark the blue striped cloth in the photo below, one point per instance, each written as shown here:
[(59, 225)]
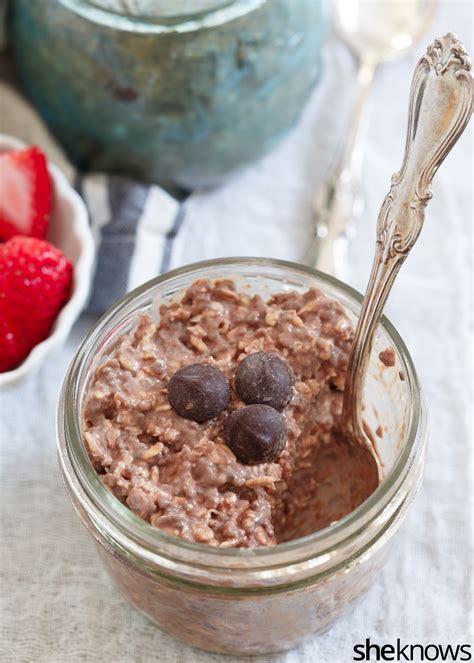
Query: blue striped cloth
[(134, 226)]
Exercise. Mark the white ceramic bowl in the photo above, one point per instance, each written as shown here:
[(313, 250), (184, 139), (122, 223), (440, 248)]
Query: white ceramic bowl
[(68, 230)]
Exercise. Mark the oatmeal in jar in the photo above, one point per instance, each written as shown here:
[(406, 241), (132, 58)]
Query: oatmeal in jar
[(216, 423)]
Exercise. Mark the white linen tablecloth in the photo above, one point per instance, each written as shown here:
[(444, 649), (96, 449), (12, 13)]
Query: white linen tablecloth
[(58, 604)]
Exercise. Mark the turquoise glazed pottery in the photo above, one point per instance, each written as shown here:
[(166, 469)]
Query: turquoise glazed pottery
[(162, 94)]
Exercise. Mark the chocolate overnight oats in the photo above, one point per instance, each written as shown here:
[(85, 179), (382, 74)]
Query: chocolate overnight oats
[(169, 434), (169, 398)]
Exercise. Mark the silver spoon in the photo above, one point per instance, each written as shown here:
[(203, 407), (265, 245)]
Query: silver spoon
[(441, 105), (376, 32)]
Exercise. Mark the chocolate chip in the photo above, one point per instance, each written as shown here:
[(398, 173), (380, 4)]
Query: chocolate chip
[(198, 392), (265, 378), (256, 434)]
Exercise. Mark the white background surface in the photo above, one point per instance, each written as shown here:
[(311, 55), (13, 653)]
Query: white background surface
[(59, 606)]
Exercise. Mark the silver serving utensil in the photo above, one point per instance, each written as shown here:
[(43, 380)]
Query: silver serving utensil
[(441, 105), (376, 32)]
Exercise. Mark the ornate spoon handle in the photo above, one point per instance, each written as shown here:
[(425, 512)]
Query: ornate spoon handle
[(441, 102)]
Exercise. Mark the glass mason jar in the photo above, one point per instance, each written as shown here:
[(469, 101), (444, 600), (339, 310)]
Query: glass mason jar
[(179, 92), (248, 601)]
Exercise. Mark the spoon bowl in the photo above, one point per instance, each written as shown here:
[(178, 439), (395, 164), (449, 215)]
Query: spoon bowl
[(383, 31)]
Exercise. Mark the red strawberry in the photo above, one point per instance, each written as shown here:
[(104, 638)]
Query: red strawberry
[(35, 283), (12, 347), (25, 194)]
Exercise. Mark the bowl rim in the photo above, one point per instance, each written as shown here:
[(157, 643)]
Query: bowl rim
[(83, 269), (85, 482)]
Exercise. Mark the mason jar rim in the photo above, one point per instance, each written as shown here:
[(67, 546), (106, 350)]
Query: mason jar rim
[(165, 24), (141, 534)]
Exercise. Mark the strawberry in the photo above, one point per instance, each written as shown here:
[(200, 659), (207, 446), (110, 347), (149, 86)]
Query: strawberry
[(35, 283), (25, 194), (13, 348)]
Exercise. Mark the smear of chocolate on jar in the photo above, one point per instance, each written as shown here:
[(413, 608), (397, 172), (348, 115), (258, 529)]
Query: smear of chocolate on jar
[(387, 357)]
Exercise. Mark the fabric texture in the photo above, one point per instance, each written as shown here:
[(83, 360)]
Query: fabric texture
[(133, 225), (58, 604)]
